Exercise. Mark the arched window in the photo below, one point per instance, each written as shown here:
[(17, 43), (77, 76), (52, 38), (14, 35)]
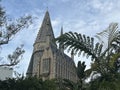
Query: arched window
[(46, 65)]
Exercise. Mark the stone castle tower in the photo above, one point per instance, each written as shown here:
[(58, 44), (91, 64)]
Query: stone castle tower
[(47, 61)]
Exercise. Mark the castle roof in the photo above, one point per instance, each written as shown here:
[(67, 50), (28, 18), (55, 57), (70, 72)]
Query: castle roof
[(44, 33), (45, 30)]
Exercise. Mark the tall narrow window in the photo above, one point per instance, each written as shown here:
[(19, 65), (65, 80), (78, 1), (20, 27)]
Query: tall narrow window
[(46, 65)]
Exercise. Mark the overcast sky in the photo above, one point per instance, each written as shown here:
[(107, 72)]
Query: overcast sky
[(82, 16)]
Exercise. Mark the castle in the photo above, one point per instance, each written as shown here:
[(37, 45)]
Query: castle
[(48, 61)]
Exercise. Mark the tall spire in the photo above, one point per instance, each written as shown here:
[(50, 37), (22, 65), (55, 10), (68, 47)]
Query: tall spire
[(62, 30), (45, 30), (61, 46)]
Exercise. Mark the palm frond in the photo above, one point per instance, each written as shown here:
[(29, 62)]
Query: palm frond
[(111, 34), (80, 43)]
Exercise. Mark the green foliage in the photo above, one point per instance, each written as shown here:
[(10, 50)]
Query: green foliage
[(81, 70), (112, 83), (80, 43), (69, 85), (105, 61), (49, 85), (28, 84), (31, 83), (111, 34)]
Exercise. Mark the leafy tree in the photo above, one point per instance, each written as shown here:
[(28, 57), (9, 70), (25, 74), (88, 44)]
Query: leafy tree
[(14, 58), (81, 43), (102, 84), (8, 29), (60, 84), (49, 85), (81, 74), (30, 83), (112, 35), (81, 70), (105, 60), (70, 85)]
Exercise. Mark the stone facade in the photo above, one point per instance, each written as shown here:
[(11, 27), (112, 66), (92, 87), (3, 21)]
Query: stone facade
[(47, 60)]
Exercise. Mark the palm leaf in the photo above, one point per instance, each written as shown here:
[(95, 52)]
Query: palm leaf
[(80, 43)]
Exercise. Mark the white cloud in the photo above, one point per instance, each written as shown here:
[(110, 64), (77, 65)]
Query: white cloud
[(102, 6), (82, 16), (65, 1), (56, 22)]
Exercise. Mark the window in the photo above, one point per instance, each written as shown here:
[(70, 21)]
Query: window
[(46, 65)]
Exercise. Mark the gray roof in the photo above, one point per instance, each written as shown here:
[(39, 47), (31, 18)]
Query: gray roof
[(45, 30), (60, 53)]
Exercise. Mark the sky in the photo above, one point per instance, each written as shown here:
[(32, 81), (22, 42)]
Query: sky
[(82, 16)]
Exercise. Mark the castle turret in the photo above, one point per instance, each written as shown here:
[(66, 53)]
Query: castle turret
[(45, 34), (61, 46), (45, 30), (47, 61), (44, 40)]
